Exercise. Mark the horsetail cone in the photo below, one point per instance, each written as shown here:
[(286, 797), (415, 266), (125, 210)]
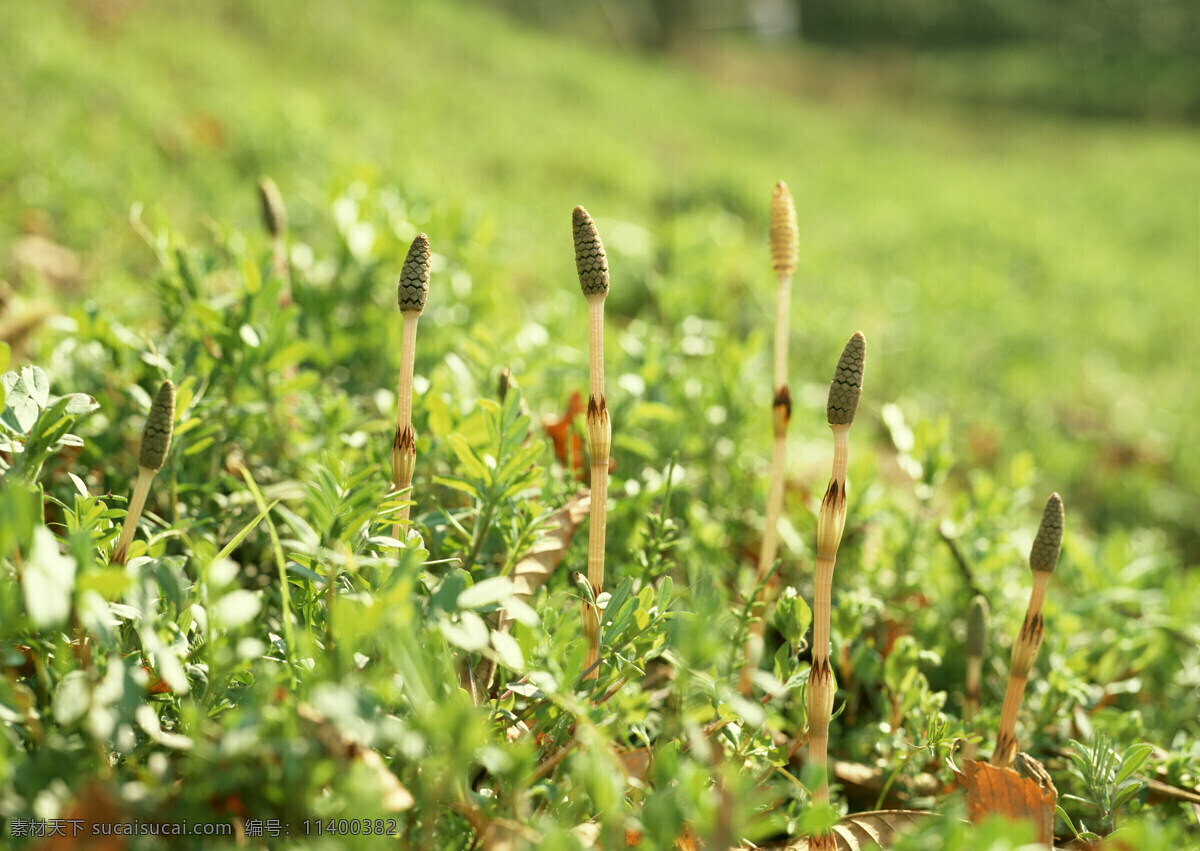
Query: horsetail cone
[(1043, 557), (977, 620), (156, 436), (414, 276), (156, 442), (590, 260), (785, 235), (846, 388), (274, 213)]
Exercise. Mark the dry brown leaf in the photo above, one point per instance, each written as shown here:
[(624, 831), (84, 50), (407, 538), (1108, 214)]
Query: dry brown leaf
[(859, 831), (636, 763), (559, 428), (1028, 794), (686, 841), (38, 259), (95, 803), (394, 796), (536, 567)]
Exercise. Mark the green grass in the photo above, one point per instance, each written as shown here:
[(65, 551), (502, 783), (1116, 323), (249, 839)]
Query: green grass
[(1026, 284), (1033, 277)]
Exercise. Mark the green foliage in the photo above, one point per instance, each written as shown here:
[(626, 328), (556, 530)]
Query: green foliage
[(269, 627), (1108, 780), (271, 652)]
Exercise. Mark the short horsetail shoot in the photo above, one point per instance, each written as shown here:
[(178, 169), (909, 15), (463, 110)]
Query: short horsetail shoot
[(156, 442), (274, 216), (1043, 558), (977, 627), (410, 296), (592, 266), (844, 393), (784, 250)]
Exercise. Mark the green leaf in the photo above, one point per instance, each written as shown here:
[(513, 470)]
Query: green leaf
[(79, 404), (21, 411), (249, 336), (470, 633), (1135, 758), (37, 382), (71, 698), (508, 650), (792, 616), (49, 581), (466, 456), (252, 277), (486, 593), (237, 608), (663, 601), (108, 582), (458, 485)]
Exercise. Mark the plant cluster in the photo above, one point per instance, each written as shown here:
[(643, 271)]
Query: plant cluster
[(301, 636)]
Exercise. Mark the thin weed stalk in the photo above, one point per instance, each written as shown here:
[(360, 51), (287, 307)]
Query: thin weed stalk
[(784, 250), (410, 296), (1043, 558), (592, 267), (844, 394), (156, 442)]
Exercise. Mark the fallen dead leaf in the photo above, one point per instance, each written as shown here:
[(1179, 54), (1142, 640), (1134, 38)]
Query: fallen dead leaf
[(1026, 794), (859, 831), (537, 566), (95, 803), (559, 429)]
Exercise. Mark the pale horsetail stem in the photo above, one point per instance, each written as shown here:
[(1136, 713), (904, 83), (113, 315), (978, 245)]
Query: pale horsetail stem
[(784, 250), (977, 627), (844, 393), (152, 454), (1043, 558), (410, 296), (591, 263)]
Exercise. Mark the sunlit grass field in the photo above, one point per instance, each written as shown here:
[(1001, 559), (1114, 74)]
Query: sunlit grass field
[(1027, 286), (1033, 279)]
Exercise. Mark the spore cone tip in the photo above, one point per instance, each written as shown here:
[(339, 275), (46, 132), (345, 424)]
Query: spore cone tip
[(414, 276), (1043, 557), (846, 388), (590, 260), (156, 436), (977, 621), (785, 236), (274, 213)]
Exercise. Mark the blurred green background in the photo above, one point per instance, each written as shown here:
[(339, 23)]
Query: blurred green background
[(1002, 196)]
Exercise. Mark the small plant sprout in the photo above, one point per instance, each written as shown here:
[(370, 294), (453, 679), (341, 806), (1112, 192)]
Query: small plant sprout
[(784, 239), (274, 216), (1043, 558), (156, 442), (410, 296), (844, 394), (977, 627), (592, 266)]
